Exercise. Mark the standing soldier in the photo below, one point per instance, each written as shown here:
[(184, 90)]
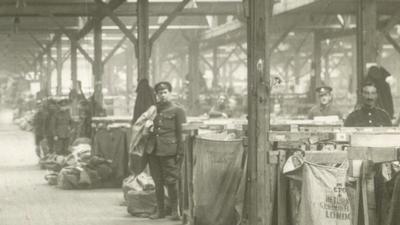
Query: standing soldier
[(167, 154), (60, 126)]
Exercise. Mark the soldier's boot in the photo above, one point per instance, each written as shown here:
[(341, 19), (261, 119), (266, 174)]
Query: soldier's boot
[(173, 196), (160, 212)]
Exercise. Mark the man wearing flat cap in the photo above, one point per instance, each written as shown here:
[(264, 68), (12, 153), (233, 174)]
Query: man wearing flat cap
[(324, 106), (165, 158)]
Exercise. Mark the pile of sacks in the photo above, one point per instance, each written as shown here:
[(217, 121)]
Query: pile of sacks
[(139, 194), (79, 170), (25, 122)]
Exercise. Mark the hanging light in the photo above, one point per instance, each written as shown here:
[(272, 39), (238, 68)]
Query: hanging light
[(340, 19)]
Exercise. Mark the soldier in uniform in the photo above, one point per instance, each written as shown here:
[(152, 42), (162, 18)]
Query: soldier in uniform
[(221, 109), (51, 108), (166, 156), (60, 126), (368, 114), (325, 106), (39, 126)]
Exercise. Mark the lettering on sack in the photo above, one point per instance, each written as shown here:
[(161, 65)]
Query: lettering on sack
[(336, 204), (222, 157)]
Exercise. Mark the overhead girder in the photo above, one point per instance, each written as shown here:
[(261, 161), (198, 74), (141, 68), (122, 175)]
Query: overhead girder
[(82, 8)]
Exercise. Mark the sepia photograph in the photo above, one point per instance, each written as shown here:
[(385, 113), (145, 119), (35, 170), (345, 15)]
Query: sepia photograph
[(200, 112)]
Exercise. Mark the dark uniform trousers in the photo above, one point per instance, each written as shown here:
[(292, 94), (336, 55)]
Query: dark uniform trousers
[(165, 172), (162, 155)]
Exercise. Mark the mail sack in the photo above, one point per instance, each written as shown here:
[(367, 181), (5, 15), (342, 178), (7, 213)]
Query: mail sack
[(324, 199)]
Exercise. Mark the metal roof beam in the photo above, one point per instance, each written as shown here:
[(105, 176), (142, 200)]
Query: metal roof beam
[(129, 9)]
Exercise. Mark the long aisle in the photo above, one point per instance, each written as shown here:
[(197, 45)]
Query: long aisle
[(26, 199)]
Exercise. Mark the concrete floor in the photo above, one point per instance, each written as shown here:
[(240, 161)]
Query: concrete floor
[(26, 199)]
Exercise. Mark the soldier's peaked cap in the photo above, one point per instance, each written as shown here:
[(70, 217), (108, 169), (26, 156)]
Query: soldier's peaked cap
[(323, 89), (162, 86)]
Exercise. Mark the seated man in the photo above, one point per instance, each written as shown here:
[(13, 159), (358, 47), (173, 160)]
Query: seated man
[(221, 109), (325, 106), (368, 114)]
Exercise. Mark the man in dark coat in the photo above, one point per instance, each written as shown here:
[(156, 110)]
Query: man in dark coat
[(39, 126), (51, 108), (165, 158), (60, 126), (378, 75)]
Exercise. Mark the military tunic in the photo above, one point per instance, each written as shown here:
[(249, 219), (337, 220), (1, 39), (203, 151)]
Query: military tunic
[(163, 158), (167, 143), (368, 117), (320, 110)]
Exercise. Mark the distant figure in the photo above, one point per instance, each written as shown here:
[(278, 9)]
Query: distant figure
[(51, 108), (77, 94), (95, 107), (221, 109), (85, 120), (60, 126), (378, 75), (39, 126), (368, 114), (325, 106)]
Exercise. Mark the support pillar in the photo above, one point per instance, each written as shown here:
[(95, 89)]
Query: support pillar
[(194, 79), (98, 67), (367, 40), (35, 69), (297, 69), (48, 74), (129, 69), (215, 68), (260, 175), (42, 76), (129, 77), (143, 47), (367, 45), (108, 77), (74, 64), (230, 76), (59, 66), (354, 62), (156, 63), (327, 78), (183, 70), (316, 67)]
